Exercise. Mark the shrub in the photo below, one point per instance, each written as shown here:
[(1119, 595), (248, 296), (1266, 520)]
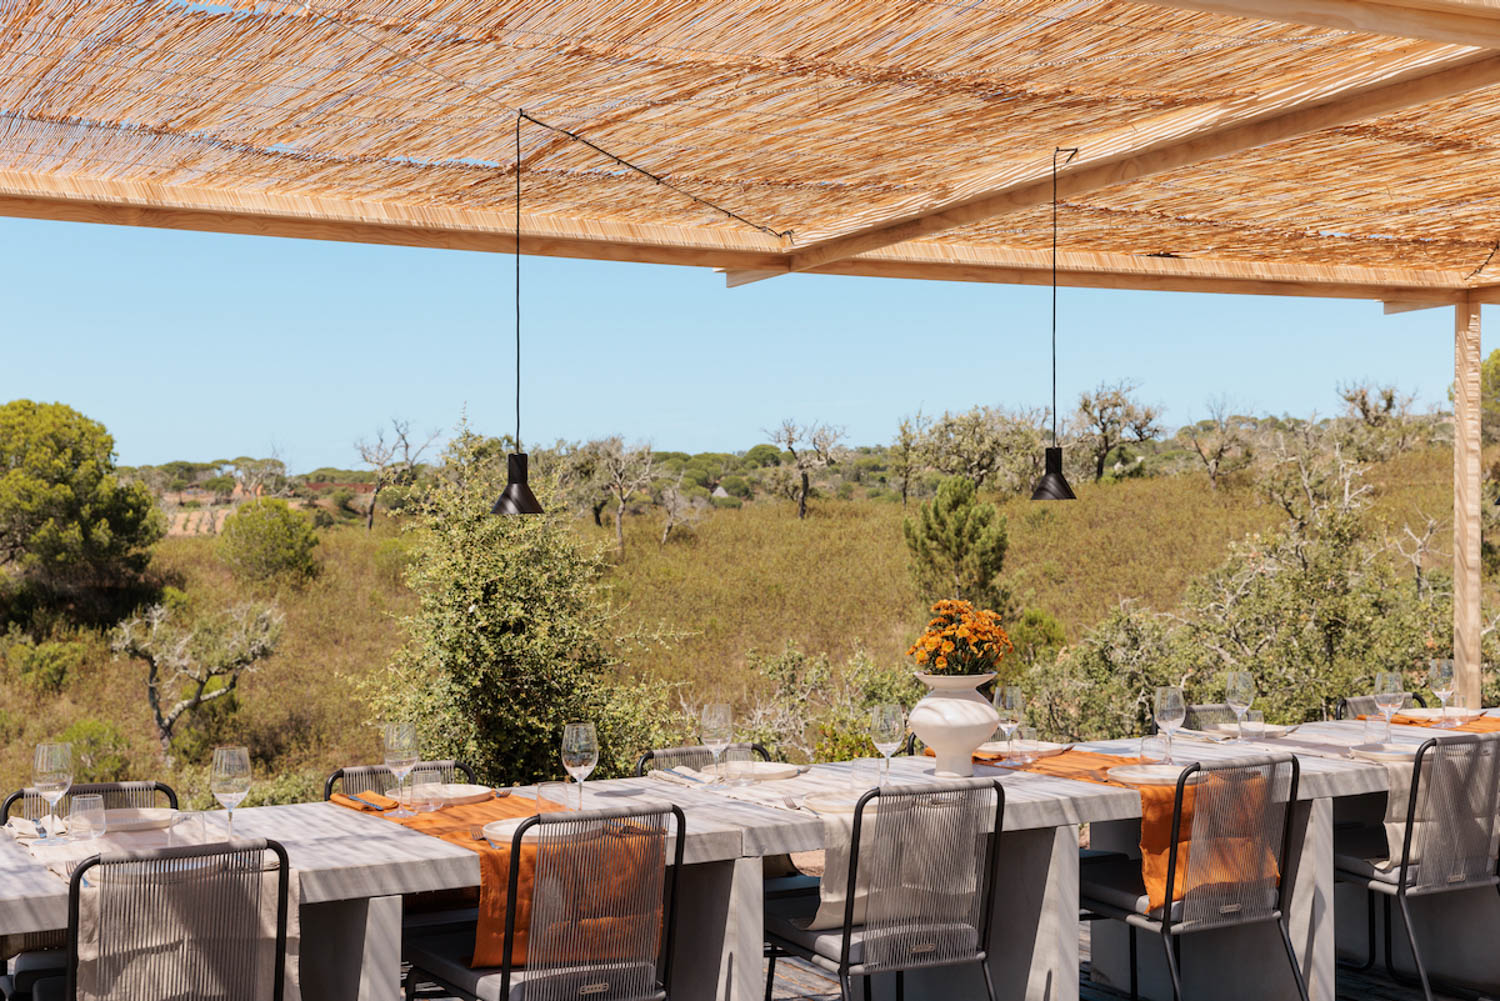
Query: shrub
[(43, 668), (266, 540), (393, 557), (100, 751), (733, 503), (342, 498), (322, 519), (957, 546), (737, 486)]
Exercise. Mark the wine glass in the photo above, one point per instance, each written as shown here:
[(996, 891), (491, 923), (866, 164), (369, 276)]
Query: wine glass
[(887, 731), (51, 776), (1171, 712), (1390, 693), (1239, 692), (230, 779), (1440, 677), (717, 725), (401, 757), (1010, 704), (580, 753)]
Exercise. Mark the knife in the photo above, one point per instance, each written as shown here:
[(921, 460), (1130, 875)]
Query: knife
[(361, 799)]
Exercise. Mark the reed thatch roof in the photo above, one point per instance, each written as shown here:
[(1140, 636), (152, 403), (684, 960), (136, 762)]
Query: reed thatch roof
[(1224, 144)]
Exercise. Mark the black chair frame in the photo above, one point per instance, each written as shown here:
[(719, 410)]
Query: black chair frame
[(757, 749), (777, 946), (513, 890), (1168, 933), (1400, 893), (338, 776), (83, 789), (76, 883)]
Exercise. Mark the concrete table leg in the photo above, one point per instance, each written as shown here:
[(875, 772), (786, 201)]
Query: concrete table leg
[(1236, 964), (351, 950), (717, 953)]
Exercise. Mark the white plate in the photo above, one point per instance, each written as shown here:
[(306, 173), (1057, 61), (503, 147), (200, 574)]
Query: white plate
[(1146, 775), (502, 831), (1455, 716), (153, 819), (1233, 730), (1035, 748), (458, 793), (833, 802), (1384, 752), (762, 771)]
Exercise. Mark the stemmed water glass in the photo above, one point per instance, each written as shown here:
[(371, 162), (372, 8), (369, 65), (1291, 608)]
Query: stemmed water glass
[(1440, 677), (51, 776), (401, 756), (1239, 692), (1010, 705), (717, 725), (887, 731), (230, 779), (1390, 692), (580, 753), (1171, 712)]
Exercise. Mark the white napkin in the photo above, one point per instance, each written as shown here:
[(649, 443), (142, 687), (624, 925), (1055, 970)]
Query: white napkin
[(26, 830), (687, 778)]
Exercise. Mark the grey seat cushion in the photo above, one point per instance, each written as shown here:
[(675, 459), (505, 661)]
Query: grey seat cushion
[(447, 957), (787, 917), (1117, 883), (1364, 854)]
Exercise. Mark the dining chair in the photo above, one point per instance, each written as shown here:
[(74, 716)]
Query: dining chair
[(1356, 706), (1230, 840), (117, 796), (199, 921), (603, 911), (695, 757), (1448, 841), (927, 878), (355, 779)]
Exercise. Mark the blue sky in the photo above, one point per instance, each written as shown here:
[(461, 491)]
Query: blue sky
[(202, 346)]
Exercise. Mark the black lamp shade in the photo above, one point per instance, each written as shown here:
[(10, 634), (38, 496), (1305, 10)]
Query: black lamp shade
[(517, 497), (1052, 485)]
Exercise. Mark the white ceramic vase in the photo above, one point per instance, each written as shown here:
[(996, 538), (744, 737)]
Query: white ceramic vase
[(954, 719)]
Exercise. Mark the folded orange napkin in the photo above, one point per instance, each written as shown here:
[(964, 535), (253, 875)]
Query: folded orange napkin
[(1227, 854), (1484, 724), (379, 802)]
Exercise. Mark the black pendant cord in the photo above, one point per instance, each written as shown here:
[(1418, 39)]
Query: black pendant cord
[(519, 115), (1072, 152)]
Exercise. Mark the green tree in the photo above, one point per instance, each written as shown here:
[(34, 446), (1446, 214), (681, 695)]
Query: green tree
[(66, 521), (510, 640), (958, 546), (1489, 396), (266, 540)]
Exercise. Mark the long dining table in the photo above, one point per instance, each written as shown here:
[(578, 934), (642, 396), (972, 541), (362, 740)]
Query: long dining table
[(354, 870)]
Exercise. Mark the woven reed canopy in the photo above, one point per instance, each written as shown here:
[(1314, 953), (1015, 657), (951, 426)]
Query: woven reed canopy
[(1335, 148)]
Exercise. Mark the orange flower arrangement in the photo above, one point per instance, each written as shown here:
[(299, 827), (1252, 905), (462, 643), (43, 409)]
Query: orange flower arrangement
[(961, 639)]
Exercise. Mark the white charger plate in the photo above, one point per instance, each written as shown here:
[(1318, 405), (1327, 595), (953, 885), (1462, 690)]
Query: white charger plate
[(1146, 775), (833, 802), (762, 771), (1233, 730), (502, 831), (1385, 752), (1035, 748), (1455, 716), (459, 793), (148, 819)]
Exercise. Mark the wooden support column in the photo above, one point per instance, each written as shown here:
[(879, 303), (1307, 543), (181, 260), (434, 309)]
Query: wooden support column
[(1467, 498)]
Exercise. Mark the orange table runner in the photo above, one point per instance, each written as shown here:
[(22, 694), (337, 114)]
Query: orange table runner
[(456, 824), (1484, 724), (1156, 823)]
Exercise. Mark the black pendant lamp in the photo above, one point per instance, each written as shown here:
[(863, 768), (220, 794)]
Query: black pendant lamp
[(1053, 485), (517, 497)]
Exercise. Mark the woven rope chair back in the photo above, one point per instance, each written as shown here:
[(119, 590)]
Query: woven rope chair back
[(206, 923), (598, 906), (696, 758), (1452, 830), (117, 796), (924, 873), (1233, 834), (378, 778), (1205, 717), (1356, 706)]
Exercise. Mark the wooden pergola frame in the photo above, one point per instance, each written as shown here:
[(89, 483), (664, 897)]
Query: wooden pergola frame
[(913, 241)]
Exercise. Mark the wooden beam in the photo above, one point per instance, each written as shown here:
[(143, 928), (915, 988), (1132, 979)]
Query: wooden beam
[(1467, 498), (1178, 140), (1452, 23), (1394, 306)]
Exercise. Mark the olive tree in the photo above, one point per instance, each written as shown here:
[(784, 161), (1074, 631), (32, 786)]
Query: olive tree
[(811, 447)]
